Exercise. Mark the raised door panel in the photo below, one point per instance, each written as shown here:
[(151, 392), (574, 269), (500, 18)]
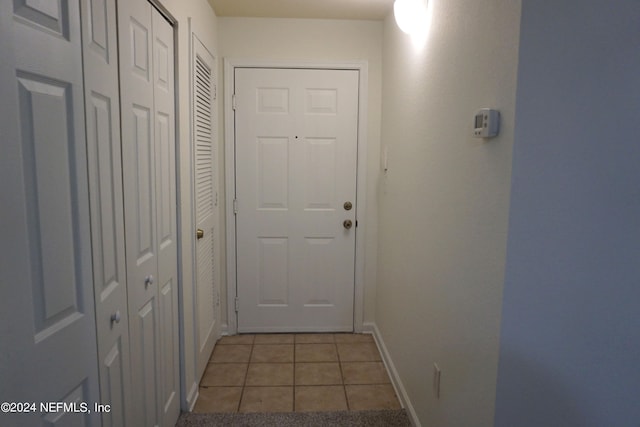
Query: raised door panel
[(318, 254), (47, 145), (273, 272), (99, 28), (76, 398), (319, 157), (114, 384), (145, 357), (170, 390), (143, 185), (273, 173), (51, 15)]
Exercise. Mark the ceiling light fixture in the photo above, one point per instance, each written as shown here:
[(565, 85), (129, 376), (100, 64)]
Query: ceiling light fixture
[(410, 15)]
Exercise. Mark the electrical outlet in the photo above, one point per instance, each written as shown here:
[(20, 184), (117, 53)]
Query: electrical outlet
[(436, 380)]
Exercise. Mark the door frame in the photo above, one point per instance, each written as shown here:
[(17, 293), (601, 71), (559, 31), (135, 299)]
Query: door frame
[(230, 64)]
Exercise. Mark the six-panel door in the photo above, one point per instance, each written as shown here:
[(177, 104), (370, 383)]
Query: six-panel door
[(296, 155), (148, 160), (46, 296)]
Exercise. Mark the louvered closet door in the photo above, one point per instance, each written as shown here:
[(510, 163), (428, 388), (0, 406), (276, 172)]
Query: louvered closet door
[(207, 288)]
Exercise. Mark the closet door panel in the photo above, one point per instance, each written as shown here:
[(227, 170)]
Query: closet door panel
[(164, 119), (139, 186), (149, 171), (102, 101), (47, 317)]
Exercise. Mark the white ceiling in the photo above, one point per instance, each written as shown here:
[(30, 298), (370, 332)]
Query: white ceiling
[(315, 9)]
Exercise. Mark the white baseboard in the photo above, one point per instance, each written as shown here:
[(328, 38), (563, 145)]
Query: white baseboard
[(372, 328), (192, 396), (224, 329)]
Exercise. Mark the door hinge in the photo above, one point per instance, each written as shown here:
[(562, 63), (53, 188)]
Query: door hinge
[(237, 301), (234, 105), (235, 206), (215, 92)]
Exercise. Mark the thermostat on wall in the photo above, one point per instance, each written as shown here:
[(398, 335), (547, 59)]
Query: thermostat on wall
[(487, 123)]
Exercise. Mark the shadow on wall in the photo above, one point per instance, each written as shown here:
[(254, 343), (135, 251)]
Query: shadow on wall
[(536, 383)]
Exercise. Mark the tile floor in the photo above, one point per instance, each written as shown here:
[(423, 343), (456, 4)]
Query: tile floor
[(295, 372)]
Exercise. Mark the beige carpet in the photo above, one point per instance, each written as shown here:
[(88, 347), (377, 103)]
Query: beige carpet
[(385, 418)]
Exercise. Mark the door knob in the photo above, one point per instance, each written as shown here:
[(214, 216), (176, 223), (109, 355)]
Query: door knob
[(199, 233), (347, 206), (115, 317), (148, 280), (347, 224)]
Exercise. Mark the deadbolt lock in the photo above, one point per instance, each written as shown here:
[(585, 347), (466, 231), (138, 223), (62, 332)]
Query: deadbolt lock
[(347, 224), (347, 206)]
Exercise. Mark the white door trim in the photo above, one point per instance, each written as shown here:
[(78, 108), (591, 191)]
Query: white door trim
[(230, 64)]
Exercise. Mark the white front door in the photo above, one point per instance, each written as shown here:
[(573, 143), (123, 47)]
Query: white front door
[(296, 153), (148, 163), (47, 322)]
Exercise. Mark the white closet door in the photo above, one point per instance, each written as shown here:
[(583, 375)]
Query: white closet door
[(207, 295), (47, 323), (102, 103), (138, 163), (165, 176), (148, 154)]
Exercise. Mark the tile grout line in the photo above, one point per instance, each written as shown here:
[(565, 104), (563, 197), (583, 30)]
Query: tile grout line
[(344, 387), (369, 358), (246, 375), (294, 374)]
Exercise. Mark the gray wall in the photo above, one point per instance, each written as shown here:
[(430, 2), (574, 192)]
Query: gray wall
[(570, 338)]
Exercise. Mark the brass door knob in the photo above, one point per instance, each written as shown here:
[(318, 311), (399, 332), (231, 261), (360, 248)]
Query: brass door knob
[(199, 233), (347, 224)]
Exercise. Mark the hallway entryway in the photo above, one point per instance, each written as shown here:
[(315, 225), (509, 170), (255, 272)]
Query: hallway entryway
[(295, 373)]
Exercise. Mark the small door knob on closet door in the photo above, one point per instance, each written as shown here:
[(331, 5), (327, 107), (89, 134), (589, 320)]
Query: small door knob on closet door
[(347, 224), (115, 317), (199, 233), (148, 281)]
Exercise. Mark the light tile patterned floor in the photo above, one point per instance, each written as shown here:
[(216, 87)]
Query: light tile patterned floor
[(295, 372)]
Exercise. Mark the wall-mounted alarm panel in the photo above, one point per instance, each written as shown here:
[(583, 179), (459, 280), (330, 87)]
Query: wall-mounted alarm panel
[(486, 123)]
